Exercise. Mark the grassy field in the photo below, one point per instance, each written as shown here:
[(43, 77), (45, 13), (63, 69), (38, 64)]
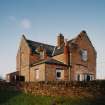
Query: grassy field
[(9, 96)]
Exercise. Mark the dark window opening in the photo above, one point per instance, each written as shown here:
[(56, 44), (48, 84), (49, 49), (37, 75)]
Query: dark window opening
[(19, 78), (58, 74), (78, 77), (88, 77)]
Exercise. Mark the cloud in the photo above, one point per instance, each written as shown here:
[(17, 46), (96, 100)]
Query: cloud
[(12, 18), (25, 23)]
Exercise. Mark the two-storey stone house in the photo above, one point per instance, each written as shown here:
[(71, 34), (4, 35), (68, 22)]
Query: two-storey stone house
[(73, 59)]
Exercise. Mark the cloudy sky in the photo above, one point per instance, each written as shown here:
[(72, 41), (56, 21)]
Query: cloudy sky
[(41, 20)]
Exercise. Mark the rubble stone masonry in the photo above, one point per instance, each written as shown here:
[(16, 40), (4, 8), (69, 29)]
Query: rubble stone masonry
[(65, 88)]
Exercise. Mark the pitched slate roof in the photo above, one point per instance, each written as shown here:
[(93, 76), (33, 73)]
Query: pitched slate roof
[(52, 50), (49, 61), (34, 45), (58, 51), (14, 73)]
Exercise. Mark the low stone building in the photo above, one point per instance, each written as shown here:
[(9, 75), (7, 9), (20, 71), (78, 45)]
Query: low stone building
[(72, 60), (12, 76)]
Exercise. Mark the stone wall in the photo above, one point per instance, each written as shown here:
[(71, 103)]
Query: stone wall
[(23, 59), (64, 88), (41, 74)]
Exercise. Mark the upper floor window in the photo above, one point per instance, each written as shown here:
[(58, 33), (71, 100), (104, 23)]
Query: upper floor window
[(84, 55), (42, 55), (41, 51)]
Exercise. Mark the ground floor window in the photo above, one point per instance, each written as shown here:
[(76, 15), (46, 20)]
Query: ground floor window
[(59, 74), (18, 78), (37, 73), (85, 77), (89, 77), (78, 77)]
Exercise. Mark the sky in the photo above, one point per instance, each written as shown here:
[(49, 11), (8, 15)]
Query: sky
[(42, 20)]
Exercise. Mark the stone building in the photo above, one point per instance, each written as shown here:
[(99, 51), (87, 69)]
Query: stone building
[(72, 60)]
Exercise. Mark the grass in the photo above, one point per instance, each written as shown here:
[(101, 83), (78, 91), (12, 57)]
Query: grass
[(9, 96)]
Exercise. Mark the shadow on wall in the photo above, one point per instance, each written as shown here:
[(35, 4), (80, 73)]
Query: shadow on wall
[(7, 92)]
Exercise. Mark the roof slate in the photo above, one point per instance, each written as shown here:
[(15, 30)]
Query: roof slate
[(50, 50), (34, 45)]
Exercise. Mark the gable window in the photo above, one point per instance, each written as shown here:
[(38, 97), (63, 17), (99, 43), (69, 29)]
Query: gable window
[(42, 55), (59, 74), (41, 51), (84, 55)]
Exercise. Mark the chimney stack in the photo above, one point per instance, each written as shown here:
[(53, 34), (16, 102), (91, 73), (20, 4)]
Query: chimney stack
[(60, 40)]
